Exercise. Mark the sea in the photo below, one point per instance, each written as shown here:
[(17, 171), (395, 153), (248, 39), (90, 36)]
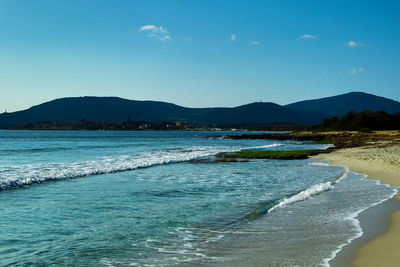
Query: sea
[(96, 198)]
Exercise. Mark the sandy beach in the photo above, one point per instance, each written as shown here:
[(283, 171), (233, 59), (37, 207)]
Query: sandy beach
[(380, 161)]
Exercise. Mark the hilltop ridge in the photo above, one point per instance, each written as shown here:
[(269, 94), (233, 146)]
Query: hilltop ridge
[(113, 109)]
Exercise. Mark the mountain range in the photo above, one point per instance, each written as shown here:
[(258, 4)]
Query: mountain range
[(113, 109)]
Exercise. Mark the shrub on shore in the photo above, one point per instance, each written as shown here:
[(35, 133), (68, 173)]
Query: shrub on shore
[(364, 121)]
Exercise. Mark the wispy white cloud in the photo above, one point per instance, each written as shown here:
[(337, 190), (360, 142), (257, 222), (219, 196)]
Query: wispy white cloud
[(154, 29), (156, 32), (233, 37), (148, 28), (254, 43), (355, 70), (353, 44), (308, 36), (160, 37)]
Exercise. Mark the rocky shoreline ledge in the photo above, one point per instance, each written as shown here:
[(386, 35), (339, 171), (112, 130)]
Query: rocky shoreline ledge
[(340, 140)]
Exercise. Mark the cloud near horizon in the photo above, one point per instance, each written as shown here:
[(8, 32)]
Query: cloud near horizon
[(156, 32), (308, 36), (233, 37), (254, 43)]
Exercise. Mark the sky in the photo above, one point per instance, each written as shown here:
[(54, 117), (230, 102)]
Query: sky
[(197, 53)]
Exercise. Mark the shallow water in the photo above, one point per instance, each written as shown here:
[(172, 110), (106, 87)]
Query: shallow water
[(137, 198)]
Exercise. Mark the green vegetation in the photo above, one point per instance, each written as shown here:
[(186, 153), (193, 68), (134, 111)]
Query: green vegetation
[(281, 154), (364, 121)]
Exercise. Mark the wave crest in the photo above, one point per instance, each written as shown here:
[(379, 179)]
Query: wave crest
[(309, 192), (17, 176)]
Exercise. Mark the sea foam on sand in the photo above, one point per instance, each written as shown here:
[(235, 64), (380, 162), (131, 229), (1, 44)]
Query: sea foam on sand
[(379, 163)]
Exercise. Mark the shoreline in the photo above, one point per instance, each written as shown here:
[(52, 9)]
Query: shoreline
[(380, 241)]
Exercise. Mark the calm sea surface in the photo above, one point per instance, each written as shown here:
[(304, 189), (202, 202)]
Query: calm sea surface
[(160, 198)]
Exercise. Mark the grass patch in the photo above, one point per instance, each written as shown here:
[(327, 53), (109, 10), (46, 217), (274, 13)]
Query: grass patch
[(280, 154), (218, 160)]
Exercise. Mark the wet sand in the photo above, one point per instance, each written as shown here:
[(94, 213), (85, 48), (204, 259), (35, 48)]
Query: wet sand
[(379, 162)]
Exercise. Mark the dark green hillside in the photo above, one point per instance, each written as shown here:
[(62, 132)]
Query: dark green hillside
[(254, 113), (113, 109), (341, 104), (94, 109)]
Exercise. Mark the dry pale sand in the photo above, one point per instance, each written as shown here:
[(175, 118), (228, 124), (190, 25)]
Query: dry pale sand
[(379, 163)]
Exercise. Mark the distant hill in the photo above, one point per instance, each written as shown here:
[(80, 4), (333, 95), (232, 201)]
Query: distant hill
[(341, 104), (114, 109), (117, 109)]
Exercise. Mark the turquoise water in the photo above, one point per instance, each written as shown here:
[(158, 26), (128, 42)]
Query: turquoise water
[(159, 198)]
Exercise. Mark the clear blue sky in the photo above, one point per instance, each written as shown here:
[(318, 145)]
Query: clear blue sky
[(197, 53)]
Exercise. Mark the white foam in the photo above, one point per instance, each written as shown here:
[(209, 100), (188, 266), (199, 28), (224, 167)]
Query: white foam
[(309, 192), (353, 217), (266, 146), (319, 188), (303, 195), (16, 176), (178, 250), (320, 163), (328, 146)]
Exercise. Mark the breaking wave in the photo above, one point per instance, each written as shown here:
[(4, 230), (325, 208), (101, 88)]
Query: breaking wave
[(300, 196), (311, 191), (22, 175)]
